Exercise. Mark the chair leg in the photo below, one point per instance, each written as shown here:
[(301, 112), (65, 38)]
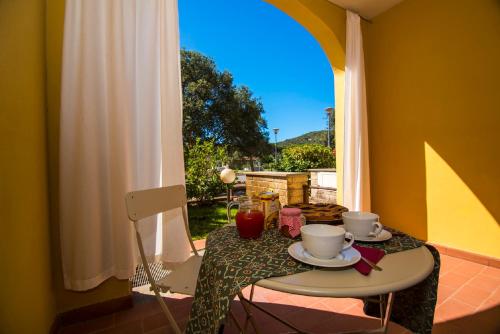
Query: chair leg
[(167, 313), (246, 307), (145, 264)]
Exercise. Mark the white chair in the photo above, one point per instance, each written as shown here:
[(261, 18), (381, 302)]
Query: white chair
[(146, 203)]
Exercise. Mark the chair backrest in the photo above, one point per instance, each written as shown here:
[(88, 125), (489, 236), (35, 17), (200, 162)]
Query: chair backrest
[(145, 203)]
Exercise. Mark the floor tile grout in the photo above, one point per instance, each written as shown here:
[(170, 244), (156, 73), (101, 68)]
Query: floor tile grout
[(461, 287)]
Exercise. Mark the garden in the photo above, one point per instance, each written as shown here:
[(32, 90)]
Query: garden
[(223, 125)]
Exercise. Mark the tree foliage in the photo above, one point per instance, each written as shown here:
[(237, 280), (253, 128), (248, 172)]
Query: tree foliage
[(202, 176), (218, 110), (313, 137), (302, 157)]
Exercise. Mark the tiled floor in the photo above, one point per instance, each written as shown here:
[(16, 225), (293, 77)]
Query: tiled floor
[(468, 302)]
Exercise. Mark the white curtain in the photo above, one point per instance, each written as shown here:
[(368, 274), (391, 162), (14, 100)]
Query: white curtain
[(356, 187), (120, 130)]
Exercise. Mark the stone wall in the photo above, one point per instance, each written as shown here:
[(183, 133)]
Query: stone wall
[(322, 195), (289, 185)]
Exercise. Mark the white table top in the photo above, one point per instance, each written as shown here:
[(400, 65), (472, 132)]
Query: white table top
[(400, 271)]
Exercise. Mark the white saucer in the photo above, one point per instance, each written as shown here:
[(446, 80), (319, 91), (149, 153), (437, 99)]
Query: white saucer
[(348, 257), (382, 236)]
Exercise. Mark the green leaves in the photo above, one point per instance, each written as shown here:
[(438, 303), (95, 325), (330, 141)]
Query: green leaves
[(202, 176), (302, 157), (216, 109)]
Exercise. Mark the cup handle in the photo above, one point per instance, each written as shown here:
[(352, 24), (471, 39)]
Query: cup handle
[(348, 235), (229, 206), (378, 229)]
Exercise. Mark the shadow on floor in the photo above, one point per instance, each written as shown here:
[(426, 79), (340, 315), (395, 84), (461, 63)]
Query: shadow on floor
[(311, 320), (484, 322), (146, 317)]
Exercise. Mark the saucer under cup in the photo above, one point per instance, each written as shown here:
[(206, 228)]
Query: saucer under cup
[(346, 258), (325, 241), (362, 224)]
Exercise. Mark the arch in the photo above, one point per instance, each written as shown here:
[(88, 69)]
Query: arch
[(326, 22)]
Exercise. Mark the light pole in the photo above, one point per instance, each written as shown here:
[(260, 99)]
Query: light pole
[(329, 111), (276, 130)]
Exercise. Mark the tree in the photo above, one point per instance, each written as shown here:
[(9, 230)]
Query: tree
[(215, 109), (202, 176), (303, 157)]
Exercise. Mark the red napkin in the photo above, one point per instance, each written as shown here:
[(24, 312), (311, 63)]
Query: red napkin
[(372, 254)]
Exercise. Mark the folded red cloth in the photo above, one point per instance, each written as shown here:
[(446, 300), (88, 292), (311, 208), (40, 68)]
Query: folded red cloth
[(372, 254)]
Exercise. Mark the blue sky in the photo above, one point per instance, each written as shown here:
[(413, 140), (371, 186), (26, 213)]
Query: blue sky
[(267, 51)]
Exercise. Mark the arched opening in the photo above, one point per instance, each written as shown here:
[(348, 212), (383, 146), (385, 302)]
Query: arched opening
[(326, 23), (321, 21)]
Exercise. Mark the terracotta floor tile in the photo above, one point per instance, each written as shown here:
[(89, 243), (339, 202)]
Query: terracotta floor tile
[(491, 271), (77, 328), (485, 282), (491, 302), (321, 306), (307, 318), (448, 263), (161, 330), (443, 293), (468, 269), (90, 326), (453, 280), (130, 328), (199, 244), (304, 301), (259, 294), (356, 310), (339, 305), (155, 321), (468, 302), (472, 295), (275, 296), (138, 312), (485, 322), (452, 309), (342, 322)]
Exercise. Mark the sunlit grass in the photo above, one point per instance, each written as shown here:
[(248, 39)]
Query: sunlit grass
[(206, 218)]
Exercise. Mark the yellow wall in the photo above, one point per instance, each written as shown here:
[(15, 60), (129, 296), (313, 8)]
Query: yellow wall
[(112, 288), (26, 297), (326, 22), (434, 119)]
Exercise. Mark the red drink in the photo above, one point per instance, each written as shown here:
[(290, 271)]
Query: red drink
[(250, 223)]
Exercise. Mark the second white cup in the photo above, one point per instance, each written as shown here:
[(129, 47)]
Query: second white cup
[(362, 224)]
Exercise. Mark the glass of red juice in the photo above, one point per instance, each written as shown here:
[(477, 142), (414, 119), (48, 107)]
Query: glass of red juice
[(250, 223)]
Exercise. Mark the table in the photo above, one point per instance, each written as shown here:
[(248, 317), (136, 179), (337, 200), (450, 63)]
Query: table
[(231, 263), (401, 270)]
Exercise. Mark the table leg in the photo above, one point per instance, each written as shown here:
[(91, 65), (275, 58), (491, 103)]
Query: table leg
[(385, 316), (388, 311), (272, 315)]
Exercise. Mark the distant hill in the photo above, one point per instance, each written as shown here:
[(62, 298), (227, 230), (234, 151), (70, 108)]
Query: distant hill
[(314, 137)]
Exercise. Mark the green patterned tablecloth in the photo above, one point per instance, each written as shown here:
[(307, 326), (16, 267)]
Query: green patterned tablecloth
[(231, 263)]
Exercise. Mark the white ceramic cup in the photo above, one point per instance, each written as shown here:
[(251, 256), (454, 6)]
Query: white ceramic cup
[(362, 224), (325, 241)]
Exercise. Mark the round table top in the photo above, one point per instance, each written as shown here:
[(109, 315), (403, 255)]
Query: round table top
[(400, 271)]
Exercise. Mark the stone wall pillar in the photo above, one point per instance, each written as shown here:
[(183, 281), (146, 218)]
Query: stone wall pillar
[(327, 195)]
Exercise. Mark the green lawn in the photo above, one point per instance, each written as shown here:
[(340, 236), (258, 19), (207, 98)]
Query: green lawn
[(204, 219)]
